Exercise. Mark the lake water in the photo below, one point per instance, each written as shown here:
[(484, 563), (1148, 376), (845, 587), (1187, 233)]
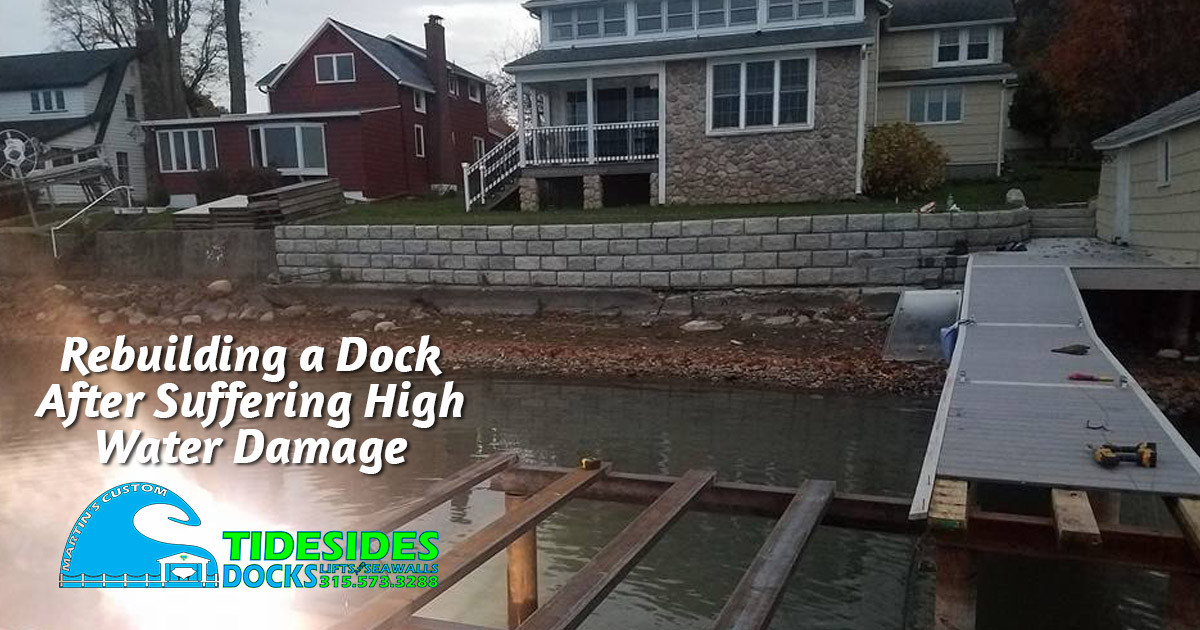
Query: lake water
[(846, 579)]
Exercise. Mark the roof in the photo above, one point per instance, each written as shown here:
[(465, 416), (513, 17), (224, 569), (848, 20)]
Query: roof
[(59, 69), (269, 77), (420, 52), (1185, 111), (256, 117), (47, 129), (987, 71), (914, 14), (697, 46)]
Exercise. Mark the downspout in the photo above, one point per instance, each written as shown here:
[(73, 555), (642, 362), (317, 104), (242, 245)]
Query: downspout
[(662, 134), (862, 119)]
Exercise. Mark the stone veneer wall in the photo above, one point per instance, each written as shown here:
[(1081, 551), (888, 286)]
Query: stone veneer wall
[(767, 167), (839, 250)]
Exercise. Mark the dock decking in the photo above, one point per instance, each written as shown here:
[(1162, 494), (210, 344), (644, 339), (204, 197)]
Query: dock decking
[(1008, 412)]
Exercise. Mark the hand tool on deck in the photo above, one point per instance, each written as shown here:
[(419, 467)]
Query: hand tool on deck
[(1144, 454), (1084, 376), (1076, 349)]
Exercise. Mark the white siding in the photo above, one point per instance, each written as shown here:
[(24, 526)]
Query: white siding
[(126, 135), (975, 140), (80, 101)]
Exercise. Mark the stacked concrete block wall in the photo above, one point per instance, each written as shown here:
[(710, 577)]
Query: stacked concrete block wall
[(832, 250), (1075, 221)]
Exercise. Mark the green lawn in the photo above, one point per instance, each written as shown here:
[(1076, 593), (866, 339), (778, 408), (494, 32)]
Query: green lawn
[(1042, 184)]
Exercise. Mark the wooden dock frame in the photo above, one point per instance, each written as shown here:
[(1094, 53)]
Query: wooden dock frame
[(960, 532)]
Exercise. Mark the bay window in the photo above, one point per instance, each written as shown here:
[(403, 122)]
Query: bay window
[(187, 150), (761, 94), (942, 104), (291, 148), (965, 45)]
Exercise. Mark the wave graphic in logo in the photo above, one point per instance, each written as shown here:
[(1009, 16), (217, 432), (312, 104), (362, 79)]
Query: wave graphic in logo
[(106, 550)]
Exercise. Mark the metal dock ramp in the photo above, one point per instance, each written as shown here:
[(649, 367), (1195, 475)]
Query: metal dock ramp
[(1008, 412)]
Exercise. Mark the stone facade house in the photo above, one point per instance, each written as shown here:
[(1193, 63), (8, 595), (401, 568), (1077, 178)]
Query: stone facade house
[(740, 101)]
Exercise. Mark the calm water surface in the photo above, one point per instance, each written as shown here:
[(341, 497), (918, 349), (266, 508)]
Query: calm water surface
[(846, 579)]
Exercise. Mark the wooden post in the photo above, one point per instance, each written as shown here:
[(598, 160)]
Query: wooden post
[(1106, 506), (522, 570), (1181, 335), (954, 599), (1183, 602)]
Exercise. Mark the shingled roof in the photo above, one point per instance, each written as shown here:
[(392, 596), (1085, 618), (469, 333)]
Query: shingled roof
[(914, 14), (61, 70), (1185, 111)]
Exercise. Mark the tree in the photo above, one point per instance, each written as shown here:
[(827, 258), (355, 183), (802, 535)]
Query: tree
[(237, 64), (502, 95), (1034, 108), (1113, 61), (194, 31)]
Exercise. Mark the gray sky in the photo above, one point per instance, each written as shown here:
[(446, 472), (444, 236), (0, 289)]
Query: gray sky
[(475, 29)]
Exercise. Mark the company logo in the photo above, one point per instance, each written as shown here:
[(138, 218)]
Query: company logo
[(106, 550)]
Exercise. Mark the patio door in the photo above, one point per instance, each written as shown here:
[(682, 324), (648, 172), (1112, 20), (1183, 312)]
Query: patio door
[(1124, 183)]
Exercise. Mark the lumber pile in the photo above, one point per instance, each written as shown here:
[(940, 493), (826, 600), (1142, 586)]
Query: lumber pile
[(269, 208)]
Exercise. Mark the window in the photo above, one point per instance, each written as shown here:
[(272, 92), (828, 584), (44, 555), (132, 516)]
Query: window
[(966, 45), (743, 11), (419, 140), (187, 150), (649, 16), (130, 106), (711, 14), (935, 105), (453, 84), (782, 10), (480, 147), (47, 101), (123, 167), (419, 101), (614, 20), (761, 94), (293, 149), (680, 14), (335, 68), (474, 91), (1164, 161)]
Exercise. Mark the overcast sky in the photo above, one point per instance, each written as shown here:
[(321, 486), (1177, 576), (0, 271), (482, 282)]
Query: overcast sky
[(475, 29)]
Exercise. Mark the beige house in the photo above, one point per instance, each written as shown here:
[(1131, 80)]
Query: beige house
[(1150, 183)]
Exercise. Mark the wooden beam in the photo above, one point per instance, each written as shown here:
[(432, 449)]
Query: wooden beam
[(948, 505), (1074, 522), (522, 570), (1187, 515), (587, 588), (757, 594), (444, 490), (1183, 602), (954, 595), (394, 606)]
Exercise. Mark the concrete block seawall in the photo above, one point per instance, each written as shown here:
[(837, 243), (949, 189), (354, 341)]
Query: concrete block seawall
[(829, 250)]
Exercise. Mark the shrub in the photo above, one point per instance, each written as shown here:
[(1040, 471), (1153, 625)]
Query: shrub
[(221, 183), (901, 162)]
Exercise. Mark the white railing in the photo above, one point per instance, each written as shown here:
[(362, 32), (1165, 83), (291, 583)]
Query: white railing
[(54, 230), (561, 145)]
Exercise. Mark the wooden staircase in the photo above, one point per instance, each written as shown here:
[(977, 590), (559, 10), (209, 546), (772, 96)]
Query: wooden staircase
[(493, 179)]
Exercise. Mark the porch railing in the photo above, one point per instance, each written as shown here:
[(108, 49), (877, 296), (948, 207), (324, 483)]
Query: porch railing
[(495, 169)]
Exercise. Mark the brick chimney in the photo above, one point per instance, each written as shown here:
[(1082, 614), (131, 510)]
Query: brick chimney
[(444, 169)]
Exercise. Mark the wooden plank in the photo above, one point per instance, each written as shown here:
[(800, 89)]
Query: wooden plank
[(1074, 522), (948, 504), (394, 606), (757, 594), (586, 589), (444, 490), (522, 571), (1187, 515), (954, 595)]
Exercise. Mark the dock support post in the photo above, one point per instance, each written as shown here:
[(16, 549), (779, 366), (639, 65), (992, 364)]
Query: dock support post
[(1181, 335), (522, 570), (1183, 602), (954, 599), (1106, 506)]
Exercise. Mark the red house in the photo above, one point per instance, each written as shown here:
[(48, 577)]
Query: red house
[(382, 115)]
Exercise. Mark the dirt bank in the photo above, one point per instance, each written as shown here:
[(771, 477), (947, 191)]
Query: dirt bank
[(827, 349)]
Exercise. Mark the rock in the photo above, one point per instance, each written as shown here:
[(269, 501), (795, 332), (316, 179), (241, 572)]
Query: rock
[(214, 311), (702, 325), (293, 311), (385, 326), (802, 320), (361, 316), (58, 291), (779, 320), (191, 320), (250, 312), (746, 317), (334, 309), (1170, 354), (267, 317), (137, 318), (107, 317), (417, 313), (1014, 197), (1192, 358), (219, 288)]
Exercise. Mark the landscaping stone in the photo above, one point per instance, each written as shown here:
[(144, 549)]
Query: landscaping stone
[(191, 320), (702, 325), (107, 317), (779, 320), (294, 311), (361, 316), (1171, 354), (1014, 197), (385, 326), (219, 288)]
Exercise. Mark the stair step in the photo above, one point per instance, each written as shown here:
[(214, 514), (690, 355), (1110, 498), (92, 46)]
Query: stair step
[(1062, 213), (1062, 232), (1068, 222)]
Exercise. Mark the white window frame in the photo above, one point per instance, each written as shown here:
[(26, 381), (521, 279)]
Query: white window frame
[(191, 168), (131, 108), (56, 97), (480, 147), (419, 102), (1164, 161), (474, 91), (336, 78), (775, 127), (123, 171), (964, 41), (304, 170), (962, 108), (452, 84), (419, 140)]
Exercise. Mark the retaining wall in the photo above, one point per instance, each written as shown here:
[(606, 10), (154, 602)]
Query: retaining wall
[(843, 250)]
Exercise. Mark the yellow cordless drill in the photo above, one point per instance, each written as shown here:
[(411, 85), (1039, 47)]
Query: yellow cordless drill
[(1144, 454)]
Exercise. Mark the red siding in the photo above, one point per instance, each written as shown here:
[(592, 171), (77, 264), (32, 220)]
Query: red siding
[(298, 90), (384, 165), (468, 120)]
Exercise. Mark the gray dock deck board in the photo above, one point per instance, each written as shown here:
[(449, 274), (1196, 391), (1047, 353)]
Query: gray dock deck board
[(1008, 411)]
